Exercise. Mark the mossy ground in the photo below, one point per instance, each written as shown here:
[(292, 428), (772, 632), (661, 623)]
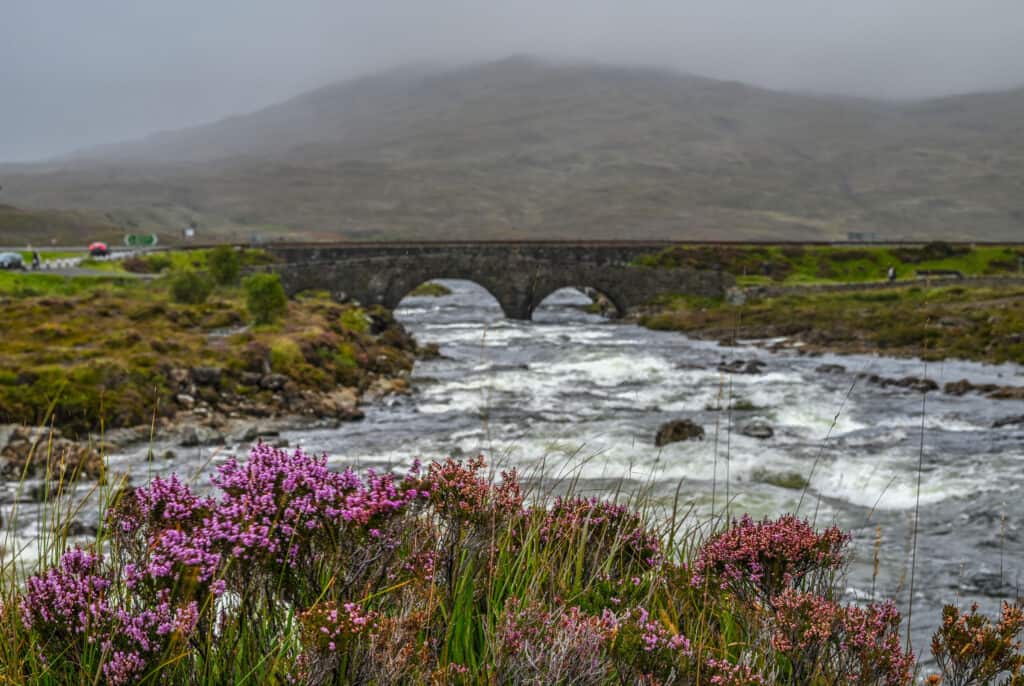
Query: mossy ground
[(98, 352), (983, 324), (795, 264)]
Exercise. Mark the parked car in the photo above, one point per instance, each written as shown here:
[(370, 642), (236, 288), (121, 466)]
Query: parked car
[(11, 260), (98, 249)]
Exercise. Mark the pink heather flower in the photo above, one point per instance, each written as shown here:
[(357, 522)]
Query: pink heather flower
[(610, 530), (326, 625), (724, 673), (459, 491), (758, 560), (276, 503), (69, 599), (68, 607), (556, 646), (862, 644)]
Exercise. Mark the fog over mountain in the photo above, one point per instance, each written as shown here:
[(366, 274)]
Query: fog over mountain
[(529, 148), (76, 74)]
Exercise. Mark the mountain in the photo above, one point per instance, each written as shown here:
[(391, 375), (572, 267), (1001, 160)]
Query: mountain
[(523, 148)]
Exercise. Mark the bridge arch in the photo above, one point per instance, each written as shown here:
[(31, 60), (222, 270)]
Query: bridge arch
[(471, 282), (596, 295)]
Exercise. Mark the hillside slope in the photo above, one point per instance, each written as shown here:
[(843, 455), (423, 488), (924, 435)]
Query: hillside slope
[(524, 148)]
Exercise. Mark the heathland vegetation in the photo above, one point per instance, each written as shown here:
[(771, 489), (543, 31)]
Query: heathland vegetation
[(932, 317), (291, 573), (199, 344)]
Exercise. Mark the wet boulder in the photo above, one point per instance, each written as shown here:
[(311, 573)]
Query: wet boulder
[(273, 382), (757, 428), (678, 430), (990, 390), (340, 404), (1017, 420), (919, 384), (741, 366), (831, 369), (30, 453), (192, 436), (206, 376)]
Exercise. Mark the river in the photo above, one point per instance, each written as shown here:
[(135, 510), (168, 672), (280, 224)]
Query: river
[(573, 393)]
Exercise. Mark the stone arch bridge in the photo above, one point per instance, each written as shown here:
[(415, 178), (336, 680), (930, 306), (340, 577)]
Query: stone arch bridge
[(518, 274)]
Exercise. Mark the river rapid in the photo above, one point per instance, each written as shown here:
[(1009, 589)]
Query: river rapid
[(571, 393)]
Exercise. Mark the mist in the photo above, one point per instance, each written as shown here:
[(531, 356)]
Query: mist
[(76, 74)]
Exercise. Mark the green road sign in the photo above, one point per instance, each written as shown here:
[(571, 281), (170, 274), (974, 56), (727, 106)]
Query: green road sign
[(140, 240)]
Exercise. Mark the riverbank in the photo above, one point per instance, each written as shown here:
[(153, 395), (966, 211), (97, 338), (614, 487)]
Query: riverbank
[(984, 324), (795, 264), (107, 362)]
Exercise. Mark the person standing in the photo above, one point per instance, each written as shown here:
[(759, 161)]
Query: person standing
[(891, 274)]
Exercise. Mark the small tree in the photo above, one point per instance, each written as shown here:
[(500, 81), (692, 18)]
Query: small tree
[(223, 264), (265, 298), (190, 287)]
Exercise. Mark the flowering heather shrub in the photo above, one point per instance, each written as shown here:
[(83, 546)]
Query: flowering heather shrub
[(564, 646), (615, 540), (820, 637), (327, 626), (64, 604), (329, 634), (759, 560), (972, 650), (159, 541), (282, 513), (460, 493), (137, 641), (870, 649), (649, 649), (396, 653), (293, 571), (723, 673), (70, 611)]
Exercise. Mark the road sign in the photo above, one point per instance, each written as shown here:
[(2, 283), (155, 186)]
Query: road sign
[(140, 240)]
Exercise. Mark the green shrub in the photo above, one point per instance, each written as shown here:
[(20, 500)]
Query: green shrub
[(354, 319), (159, 262), (265, 298), (223, 264), (190, 287)]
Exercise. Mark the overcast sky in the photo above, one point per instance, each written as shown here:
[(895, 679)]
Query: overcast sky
[(81, 72)]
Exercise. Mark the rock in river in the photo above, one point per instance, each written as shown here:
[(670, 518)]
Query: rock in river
[(830, 369), (741, 366), (757, 428), (1008, 421), (678, 430)]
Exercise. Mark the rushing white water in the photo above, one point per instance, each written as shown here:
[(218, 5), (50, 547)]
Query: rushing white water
[(574, 392)]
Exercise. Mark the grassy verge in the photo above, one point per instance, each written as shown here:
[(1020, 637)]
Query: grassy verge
[(982, 324), (46, 255), (289, 573), (796, 264)]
